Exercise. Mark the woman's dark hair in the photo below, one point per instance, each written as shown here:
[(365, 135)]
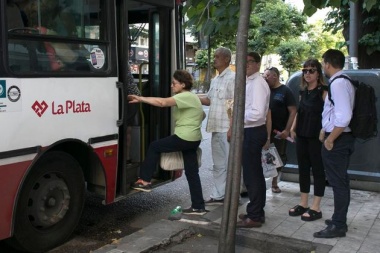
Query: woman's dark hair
[(313, 63), (184, 77)]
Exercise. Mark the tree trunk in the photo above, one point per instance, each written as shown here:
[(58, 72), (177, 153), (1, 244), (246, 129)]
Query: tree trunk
[(365, 61), (231, 199)]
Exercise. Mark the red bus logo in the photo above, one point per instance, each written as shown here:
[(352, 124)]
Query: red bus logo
[(39, 108), (70, 106)]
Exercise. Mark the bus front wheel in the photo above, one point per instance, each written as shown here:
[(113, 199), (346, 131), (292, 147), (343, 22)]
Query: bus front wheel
[(50, 203)]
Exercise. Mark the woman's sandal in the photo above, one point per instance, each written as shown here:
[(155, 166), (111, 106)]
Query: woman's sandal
[(298, 210), (313, 215)]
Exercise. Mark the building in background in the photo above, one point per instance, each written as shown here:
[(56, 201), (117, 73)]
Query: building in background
[(139, 50)]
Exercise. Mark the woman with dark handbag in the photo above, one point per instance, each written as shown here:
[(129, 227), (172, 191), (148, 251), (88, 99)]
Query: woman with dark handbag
[(306, 128), (188, 115)]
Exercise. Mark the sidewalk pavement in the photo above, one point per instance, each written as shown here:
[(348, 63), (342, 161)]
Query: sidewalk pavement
[(280, 233)]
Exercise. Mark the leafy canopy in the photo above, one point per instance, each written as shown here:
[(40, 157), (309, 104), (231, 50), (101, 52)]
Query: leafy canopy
[(311, 6), (271, 22), (292, 53), (212, 16)]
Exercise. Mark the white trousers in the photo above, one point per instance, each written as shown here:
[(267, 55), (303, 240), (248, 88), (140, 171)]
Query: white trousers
[(220, 148)]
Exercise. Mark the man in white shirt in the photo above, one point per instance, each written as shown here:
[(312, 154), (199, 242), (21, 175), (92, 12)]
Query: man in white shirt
[(255, 136), (221, 89), (338, 142)]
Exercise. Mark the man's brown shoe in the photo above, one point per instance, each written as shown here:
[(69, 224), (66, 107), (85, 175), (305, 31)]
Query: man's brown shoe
[(248, 223), (243, 216)]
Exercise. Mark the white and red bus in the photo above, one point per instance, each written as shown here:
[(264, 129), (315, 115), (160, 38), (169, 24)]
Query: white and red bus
[(63, 108)]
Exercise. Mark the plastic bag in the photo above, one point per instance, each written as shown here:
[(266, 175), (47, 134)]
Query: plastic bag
[(270, 160), (174, 160)]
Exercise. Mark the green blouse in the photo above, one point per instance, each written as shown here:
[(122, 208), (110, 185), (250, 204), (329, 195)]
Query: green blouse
[(188, 116)]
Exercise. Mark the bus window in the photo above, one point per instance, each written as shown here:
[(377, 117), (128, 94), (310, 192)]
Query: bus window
[(66, 18), (139, 48), (57, 36)]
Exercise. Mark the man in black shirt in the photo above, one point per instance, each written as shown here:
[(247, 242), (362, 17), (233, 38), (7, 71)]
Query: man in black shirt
[(283, 108)]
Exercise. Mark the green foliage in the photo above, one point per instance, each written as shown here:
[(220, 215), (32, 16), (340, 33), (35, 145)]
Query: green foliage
[(309, 9), (217, 18), (292, 53), (212, 16), (338, 19), (335, 20), (311, 44), (201, 59), (369, 4), (320, 40), (372, 42), (369, 29), (271, 22), (311, 6), (274, 21)]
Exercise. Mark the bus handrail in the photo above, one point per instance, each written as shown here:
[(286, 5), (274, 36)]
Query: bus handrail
[(142, 138), (120, 86)]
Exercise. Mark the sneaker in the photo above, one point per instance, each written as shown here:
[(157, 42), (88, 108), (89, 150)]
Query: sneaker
[(141, 187), (214, 202), (194, 211)]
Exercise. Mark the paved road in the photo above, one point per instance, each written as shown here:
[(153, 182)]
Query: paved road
[(101, 224)]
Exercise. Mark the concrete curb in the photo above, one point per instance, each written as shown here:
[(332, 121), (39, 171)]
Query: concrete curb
[(165, 233), (156, 235), (265, 242)]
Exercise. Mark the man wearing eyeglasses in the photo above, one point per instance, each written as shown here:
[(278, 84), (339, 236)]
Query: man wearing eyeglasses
[(221, 89), (283, 108), (255, 136)]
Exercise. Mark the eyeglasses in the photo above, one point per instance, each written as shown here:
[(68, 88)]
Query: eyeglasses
[(311, 71)]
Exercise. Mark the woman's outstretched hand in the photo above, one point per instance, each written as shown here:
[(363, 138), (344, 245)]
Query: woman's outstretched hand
[(134, 99)]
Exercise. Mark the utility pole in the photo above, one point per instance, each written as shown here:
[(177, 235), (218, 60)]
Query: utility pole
[(231, 199), (353, 33), (209, 49)]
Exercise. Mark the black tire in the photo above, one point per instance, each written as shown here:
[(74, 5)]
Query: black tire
[(50, 203)]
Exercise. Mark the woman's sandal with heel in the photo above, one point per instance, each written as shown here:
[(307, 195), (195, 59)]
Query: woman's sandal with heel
[(313, 215), (298, 210)]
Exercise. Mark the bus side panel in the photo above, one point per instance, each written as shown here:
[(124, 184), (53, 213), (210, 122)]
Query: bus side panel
[(108, 157), (57, 109), (12, 175)]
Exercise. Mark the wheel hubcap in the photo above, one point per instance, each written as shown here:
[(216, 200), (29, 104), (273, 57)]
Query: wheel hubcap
[(48, 201)]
